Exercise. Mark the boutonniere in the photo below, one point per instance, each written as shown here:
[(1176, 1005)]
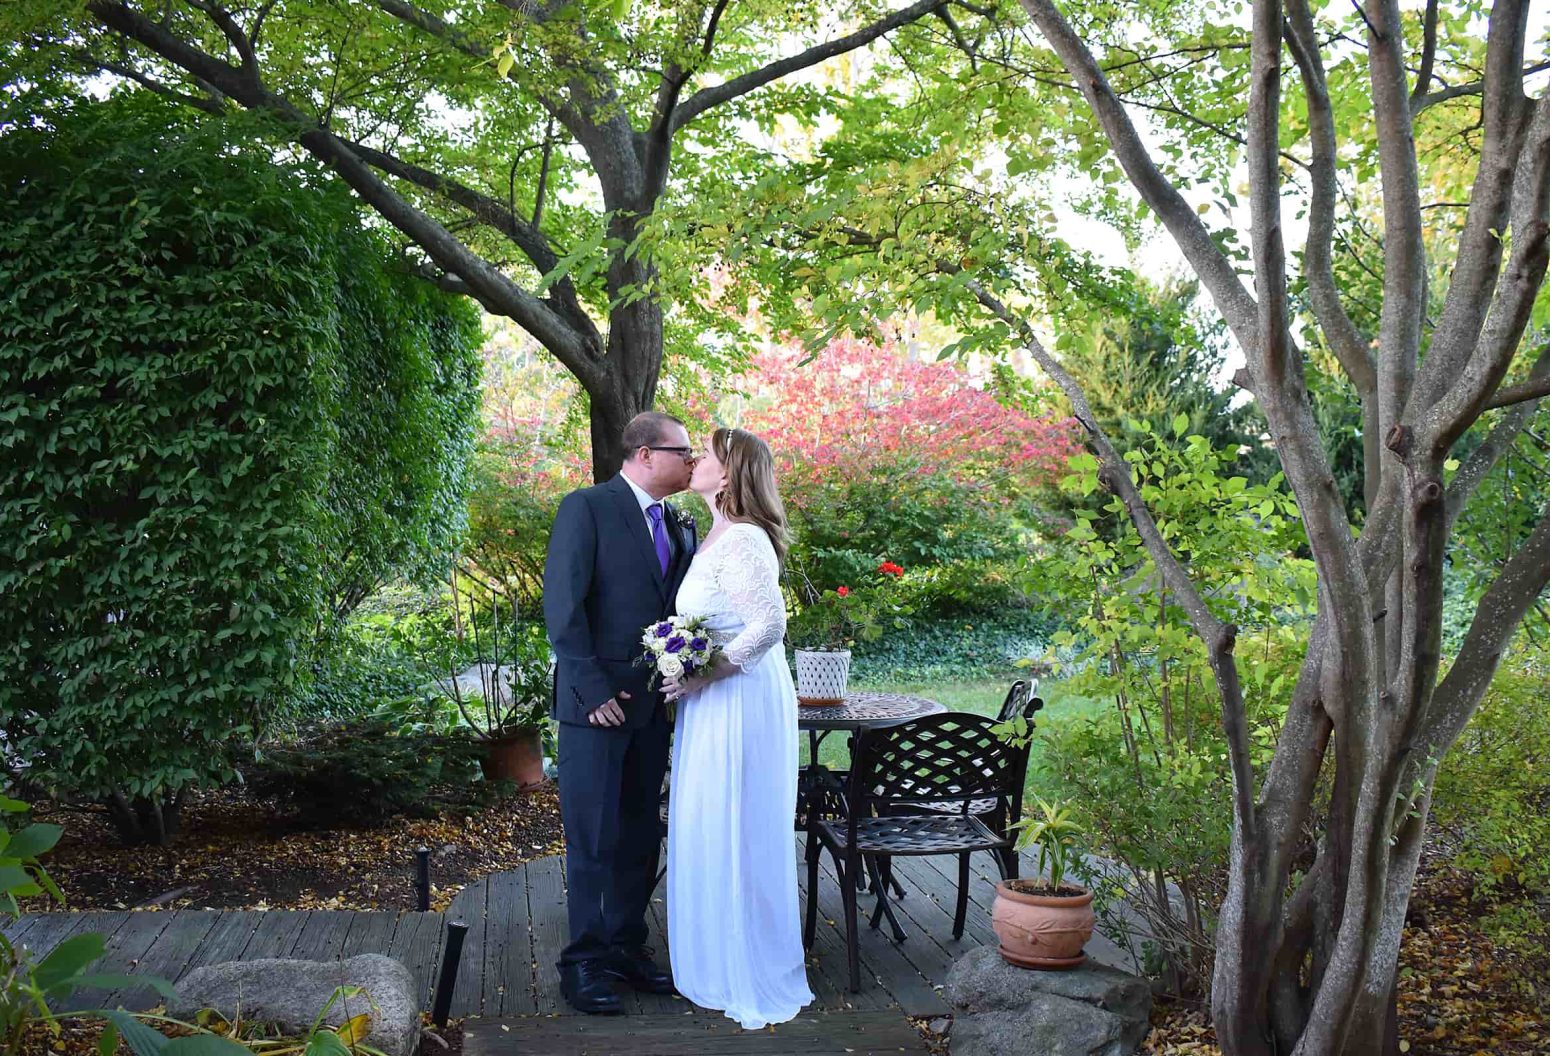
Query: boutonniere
[(685, 520)]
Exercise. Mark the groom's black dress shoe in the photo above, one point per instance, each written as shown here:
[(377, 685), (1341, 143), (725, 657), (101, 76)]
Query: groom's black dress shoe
[(638, 969), (589, 987)]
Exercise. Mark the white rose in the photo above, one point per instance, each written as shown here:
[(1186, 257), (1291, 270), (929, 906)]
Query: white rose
[(671, 666)]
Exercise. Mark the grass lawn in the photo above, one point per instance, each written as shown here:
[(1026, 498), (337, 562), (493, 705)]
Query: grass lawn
[(983, 696)]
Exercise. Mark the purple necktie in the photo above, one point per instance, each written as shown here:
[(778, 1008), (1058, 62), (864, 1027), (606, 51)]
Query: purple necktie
[(658, 534)]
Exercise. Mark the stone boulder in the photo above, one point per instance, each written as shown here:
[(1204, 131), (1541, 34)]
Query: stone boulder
[(289, 994), (1003, 1010)]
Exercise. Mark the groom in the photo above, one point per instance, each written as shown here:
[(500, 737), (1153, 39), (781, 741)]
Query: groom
[(616, 556)]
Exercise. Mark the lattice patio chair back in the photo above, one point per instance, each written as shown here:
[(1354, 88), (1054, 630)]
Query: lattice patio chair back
[(949, 759), (1022, 700)]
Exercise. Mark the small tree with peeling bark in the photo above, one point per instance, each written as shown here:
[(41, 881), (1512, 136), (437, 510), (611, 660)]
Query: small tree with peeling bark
[(1306, 962)]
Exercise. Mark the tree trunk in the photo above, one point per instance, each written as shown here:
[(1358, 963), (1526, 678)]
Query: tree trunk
[(634, 350), (141, 822)]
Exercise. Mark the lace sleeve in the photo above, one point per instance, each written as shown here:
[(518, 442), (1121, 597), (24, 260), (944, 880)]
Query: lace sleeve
[(748, 573)]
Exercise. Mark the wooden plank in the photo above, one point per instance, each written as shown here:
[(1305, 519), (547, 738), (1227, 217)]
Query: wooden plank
[(167, 958), (508, 981), (228, 938), (702, 1034), (893, 971), (888, 979), (106, 924), (472, 907), (370, 932), (417, 942), (932, 896), (551, 928), (276, 934), (827, 974), (47, 930), (15, 931), (130, 942), (656, 938), (323, 937)]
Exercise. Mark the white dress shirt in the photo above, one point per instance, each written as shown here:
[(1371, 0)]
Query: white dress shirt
[(643, 497)]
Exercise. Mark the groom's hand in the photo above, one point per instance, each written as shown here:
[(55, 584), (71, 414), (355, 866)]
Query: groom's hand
[(610, 714)]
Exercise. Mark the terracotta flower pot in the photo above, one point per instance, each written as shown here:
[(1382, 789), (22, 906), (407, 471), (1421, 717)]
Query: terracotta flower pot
[(1042, 931), (822, 676), (517, 756)]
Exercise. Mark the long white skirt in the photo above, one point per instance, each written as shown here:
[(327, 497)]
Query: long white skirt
[(734, 930)]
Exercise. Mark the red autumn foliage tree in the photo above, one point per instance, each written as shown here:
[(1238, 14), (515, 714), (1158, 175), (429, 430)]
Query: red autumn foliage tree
[(886, 457)]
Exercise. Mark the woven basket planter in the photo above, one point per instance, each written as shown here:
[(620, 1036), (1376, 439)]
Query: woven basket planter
[(822, 676)]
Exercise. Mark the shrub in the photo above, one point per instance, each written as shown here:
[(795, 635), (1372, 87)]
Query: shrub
[(405, 406), (363, 771), (192, 344), (1149, 780), (534, 450), (953, 650), (1492, 795), (883, 457)]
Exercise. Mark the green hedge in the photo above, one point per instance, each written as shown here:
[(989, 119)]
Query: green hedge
[(191, 339)]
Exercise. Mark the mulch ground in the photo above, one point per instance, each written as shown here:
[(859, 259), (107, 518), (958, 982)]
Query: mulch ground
[(236, 852), (1460, 993)]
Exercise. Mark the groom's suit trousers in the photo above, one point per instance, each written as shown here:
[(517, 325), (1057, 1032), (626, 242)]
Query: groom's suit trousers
[(610, 790)]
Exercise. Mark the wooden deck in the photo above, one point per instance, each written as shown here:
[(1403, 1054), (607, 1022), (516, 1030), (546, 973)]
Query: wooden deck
[(516, 928)]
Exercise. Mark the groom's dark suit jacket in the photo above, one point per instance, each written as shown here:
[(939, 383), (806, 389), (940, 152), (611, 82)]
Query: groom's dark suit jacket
[(603, 584)]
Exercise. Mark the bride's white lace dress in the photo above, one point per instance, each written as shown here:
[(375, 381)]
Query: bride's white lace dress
[(733, 919)]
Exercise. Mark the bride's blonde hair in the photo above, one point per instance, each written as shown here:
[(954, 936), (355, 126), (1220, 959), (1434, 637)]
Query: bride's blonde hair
[(750, 494)]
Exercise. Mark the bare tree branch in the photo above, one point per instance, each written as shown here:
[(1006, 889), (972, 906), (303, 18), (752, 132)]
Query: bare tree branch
[(210, 104), (1500, 439), (1442, 95), (1265, 236), (1349, 345), (486, 210), (673, 81), (706, 98), (1534, 388), (1477, 262), (232, 31), (1404, 250), (1460, 404), (1497, 615), (1215, 270), (1423, 79)]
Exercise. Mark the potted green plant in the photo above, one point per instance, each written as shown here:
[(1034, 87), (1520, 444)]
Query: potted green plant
[(829, 622), (1044, 923), (508, 706)]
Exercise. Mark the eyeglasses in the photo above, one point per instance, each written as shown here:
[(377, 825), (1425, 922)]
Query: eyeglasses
[(685, 453)]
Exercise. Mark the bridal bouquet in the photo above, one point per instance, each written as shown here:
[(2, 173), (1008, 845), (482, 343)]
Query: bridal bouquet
[(678, 647)]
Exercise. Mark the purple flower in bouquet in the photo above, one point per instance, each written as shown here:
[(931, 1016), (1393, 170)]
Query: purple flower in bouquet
[(676, 643), (698, 645), (664, 629)]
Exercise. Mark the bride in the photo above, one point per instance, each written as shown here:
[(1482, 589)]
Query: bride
[(733, 922)]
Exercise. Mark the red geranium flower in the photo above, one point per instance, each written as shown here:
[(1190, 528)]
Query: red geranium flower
[(888, 568), (843, 592)]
